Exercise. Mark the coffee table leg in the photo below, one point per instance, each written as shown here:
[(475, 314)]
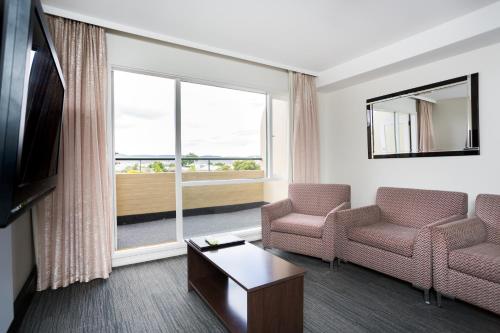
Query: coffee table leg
[(277, 308)]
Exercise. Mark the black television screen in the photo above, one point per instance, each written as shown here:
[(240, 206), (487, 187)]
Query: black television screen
[(40, 126), (39, 141)]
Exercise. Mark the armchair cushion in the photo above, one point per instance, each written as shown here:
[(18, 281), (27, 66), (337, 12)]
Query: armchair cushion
[(300, 224), (481, 260), (386, 236)]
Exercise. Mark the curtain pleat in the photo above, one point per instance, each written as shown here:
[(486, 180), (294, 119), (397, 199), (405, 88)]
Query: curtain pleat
[(74, 224), (305, 130)]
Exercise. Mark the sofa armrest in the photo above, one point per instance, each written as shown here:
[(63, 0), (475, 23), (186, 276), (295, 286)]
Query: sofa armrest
[(462, 233), (422, 252), (342, 206), (451, 236), (345, 219), (358, 216), (328, 232), (271, 212)]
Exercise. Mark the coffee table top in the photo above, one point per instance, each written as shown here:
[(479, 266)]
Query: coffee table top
[(250, 266)]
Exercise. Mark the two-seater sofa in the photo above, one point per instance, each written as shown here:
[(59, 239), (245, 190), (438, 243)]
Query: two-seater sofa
[(394, 235)]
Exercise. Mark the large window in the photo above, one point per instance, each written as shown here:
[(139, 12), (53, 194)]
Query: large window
[(222, 121), (223, 153)]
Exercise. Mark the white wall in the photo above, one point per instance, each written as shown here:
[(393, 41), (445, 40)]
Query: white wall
[(6, 295), (23, 258), (16, 263), (449, 119), (343, 134), (146, 54)]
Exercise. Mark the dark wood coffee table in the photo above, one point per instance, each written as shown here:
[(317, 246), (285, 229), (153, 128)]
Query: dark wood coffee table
[(249, 289)]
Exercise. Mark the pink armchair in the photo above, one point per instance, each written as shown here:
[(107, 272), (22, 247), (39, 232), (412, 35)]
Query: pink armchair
[(466, 256), (393, 236), (303, 223)]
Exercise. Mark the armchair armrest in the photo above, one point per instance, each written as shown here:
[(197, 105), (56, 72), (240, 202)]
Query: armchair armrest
[(277, 209), (422, 252), (271, 212), (328, 232), (345, 219), (451, 236)]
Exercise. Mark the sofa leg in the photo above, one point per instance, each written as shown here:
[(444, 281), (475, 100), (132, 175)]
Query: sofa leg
[(439, 298), (427, 298)]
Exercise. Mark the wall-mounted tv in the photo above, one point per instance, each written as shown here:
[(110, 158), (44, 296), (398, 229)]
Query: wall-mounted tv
[(33, 127)]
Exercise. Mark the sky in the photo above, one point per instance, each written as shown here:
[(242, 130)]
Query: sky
[(215, 121)]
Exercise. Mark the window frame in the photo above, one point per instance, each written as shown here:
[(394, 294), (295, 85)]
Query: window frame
[(129, 256)]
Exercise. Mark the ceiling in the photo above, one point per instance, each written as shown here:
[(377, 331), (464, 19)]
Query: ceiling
[(312, 35)]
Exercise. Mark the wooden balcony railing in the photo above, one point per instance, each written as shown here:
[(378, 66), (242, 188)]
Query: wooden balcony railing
[(146, 193)]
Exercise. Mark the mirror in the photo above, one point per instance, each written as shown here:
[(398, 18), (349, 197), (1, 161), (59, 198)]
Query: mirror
[(439, 119)]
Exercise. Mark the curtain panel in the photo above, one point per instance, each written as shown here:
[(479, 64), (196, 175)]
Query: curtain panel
[(425, 126), (73, 233), (305, 150)]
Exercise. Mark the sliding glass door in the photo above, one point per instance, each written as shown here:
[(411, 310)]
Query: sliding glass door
[(192, 158), (224, 147), (144, 144)]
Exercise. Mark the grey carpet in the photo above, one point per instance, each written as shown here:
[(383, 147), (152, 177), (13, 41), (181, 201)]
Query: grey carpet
[(161, 231), (152, 297)]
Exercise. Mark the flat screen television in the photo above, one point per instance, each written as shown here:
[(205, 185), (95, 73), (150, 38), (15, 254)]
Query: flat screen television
[(33, 173)]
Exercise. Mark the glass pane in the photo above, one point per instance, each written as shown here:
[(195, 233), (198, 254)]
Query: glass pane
[(403, 132), (144, 113), (414, 132), (383, 132), (223, 133), (277, 188), (215, 209), (223, 137)]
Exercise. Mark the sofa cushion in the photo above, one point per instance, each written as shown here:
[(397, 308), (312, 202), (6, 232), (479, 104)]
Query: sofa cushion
[(300, 224), (386, 236), (417, 208), (481, 260)]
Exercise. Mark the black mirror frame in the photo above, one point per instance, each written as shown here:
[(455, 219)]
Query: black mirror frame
[(474, 132)]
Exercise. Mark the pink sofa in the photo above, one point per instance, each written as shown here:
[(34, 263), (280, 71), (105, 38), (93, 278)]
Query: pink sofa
[(393, 236), (303, 223), (466, 256)]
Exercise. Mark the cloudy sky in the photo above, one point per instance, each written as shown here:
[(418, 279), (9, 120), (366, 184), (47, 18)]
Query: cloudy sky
[(215, 121)]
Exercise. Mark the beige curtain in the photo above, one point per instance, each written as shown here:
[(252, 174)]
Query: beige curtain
[(74, 224), (305, 130), (425, 127)]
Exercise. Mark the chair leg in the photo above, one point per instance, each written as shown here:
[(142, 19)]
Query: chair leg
[(338, 262), (427, 298), (331, 264), (439, 298)]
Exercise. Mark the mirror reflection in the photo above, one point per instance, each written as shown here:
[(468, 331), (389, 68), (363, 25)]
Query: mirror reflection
[(433, 120)]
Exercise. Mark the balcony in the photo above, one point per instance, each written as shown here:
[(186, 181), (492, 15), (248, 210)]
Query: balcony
[(145, 199)]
